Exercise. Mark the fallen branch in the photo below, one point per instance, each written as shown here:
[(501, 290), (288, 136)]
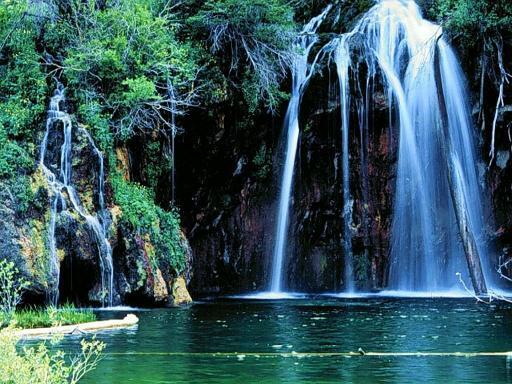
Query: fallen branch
[(488, 298)]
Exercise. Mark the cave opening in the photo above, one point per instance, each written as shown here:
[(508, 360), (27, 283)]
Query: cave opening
[(78, 277)]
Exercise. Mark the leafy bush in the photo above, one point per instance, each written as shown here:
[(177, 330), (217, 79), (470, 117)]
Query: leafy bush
[(12, 286), (473, 21), (22, 87), (13, 158), (263, 163), (38, 365), (97, 121), (126, 58)]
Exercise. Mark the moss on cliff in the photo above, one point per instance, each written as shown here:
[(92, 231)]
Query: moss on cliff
[(160, 228), (33, 242)]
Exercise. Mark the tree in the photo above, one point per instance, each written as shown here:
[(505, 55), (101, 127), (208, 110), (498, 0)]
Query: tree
[(126, 58), (257, 38)]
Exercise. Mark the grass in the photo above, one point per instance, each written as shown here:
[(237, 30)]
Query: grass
[(51, 316)]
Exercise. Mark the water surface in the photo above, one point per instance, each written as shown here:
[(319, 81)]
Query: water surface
[(172, 345)]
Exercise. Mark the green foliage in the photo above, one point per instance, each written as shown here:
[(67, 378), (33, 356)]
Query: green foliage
[(37, 364), (158, 164), (12, 285), (169, 240), (91, 113), (254, 41), (13, 158), (263, 162), (22, 82), (22, 192), (141, 213), (136, 202), (473, 20), (127, 55), (22, 87), (50, 317), (139, 90), (262, 19)]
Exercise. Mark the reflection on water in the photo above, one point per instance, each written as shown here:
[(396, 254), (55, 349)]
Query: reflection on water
[(252, 327)]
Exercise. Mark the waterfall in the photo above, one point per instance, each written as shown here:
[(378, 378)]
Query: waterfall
[(342, 60), (398, 47), (62, 191), (302, 71)]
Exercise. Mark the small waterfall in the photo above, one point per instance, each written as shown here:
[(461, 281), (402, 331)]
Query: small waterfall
[(342, 60), (398, 47), (62, 191), (302, 71)]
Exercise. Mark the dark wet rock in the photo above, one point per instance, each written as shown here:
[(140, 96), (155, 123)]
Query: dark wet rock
[(139, 279)]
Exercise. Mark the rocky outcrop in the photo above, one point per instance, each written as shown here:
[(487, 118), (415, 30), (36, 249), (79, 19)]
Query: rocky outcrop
[(231, 252), (179, 292), (140, 280), (25, 239), (232, 215), (225, 193)]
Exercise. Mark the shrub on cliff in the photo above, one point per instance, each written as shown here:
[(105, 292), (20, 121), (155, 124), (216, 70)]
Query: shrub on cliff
[(22, 87), (124, 57)]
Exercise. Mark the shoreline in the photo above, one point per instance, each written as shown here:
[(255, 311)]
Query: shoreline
[(129, 320)]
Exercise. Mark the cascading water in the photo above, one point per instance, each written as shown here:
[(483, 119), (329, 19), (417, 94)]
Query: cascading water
[(342, 60), (399, 46), (302, 71), (63, 190)]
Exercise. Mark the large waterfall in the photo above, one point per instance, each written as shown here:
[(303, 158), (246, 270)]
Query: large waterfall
[(405, 57), (399, 48), (64, 196), (301, 74)]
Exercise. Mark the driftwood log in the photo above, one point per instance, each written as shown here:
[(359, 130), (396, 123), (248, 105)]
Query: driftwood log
[(129, 321)]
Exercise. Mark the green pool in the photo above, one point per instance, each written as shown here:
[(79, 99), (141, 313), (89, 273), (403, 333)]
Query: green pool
[(294, 341)]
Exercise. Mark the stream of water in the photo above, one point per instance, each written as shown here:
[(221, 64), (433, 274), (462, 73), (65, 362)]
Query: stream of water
[(302, 71)]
